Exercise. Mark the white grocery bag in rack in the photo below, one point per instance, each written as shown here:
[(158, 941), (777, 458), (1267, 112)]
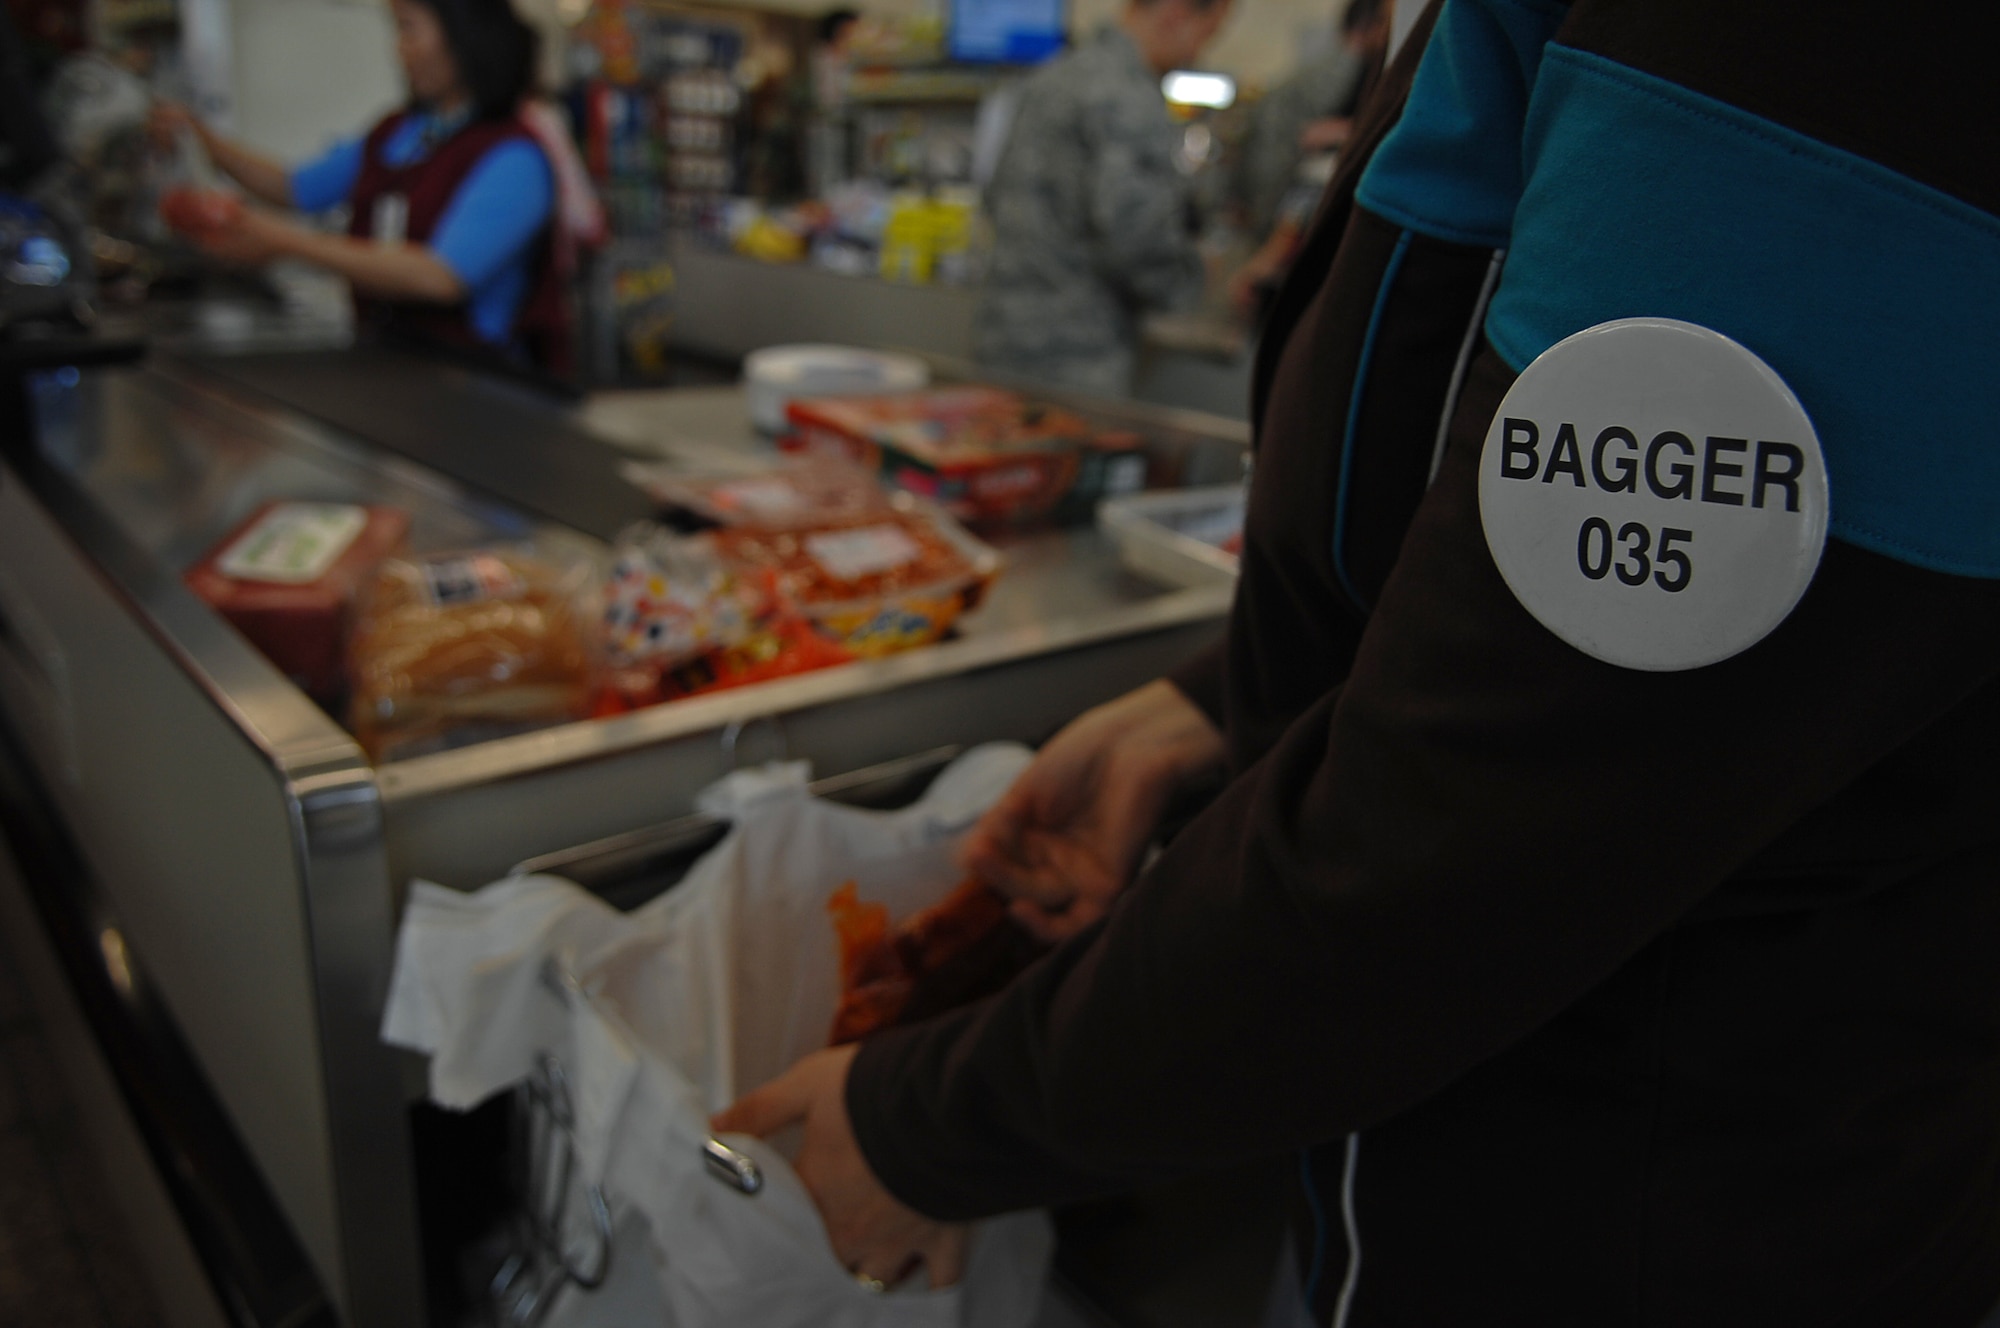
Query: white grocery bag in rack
[(666, 1014)]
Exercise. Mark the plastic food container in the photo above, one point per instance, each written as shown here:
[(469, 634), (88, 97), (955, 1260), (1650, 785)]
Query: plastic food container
[(777, 375), (1183, 537), (887, 584)]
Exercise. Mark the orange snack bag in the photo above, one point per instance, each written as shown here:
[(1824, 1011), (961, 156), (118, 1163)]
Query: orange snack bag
[(958, 950)]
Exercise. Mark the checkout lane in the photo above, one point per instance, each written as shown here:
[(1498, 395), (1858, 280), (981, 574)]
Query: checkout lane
[(261, 899)]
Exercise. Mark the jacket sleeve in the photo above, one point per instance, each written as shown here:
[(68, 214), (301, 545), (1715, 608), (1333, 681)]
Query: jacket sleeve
[(1200, 681), (1472, 831), (1457, 825)]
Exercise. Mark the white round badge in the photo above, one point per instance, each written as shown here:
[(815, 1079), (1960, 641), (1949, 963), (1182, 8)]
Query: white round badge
[(1654, 494)]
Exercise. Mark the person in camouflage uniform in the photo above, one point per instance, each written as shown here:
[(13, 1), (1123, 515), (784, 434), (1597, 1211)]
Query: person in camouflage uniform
[(1090, 213), (1321, 94)]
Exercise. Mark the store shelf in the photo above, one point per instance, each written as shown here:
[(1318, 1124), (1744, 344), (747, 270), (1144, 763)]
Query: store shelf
[(875, 87)]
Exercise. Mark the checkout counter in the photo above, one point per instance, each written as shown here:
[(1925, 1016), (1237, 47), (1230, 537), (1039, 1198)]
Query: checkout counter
[(726, 305), (215, 865)]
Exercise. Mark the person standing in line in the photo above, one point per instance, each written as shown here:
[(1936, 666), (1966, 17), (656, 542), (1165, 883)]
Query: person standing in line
[(1296, 134), (1090, 213)]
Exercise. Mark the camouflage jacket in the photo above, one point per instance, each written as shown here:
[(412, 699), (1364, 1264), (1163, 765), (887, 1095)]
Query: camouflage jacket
[(1090, 218)]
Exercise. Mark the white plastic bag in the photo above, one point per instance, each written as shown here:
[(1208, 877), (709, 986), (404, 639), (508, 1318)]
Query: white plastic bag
[(669, 1013)]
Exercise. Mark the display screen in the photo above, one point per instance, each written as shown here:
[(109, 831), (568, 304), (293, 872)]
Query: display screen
[(1014, 32)]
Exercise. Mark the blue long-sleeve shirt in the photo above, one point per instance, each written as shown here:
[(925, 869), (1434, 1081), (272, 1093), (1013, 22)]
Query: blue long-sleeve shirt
[(487, 232)]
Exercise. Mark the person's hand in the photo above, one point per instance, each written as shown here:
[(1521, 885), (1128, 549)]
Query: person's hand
[(166, 121), (1245, 283), (1065, 839), (1326, 135), (878, 1239), (249, 238)]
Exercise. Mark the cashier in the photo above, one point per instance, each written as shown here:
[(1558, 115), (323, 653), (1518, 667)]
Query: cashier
[(1091, 215), (450, 198), (1586, 992)]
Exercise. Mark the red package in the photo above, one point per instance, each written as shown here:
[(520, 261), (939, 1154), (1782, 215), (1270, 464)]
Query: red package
[(784, 646), (287, 577), (899, 581), (958, 950), (199, 211), (983, 454)]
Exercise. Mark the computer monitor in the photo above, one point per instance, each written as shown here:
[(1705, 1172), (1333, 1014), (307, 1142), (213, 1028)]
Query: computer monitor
[(1012, 32)]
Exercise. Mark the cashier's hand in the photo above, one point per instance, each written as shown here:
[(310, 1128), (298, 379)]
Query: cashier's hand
[(875, 1236), (165, 121), (1066, 838), (249, 238)]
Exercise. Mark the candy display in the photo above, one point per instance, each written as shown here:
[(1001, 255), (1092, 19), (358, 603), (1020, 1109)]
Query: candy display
[(287, 578), (479, 642)]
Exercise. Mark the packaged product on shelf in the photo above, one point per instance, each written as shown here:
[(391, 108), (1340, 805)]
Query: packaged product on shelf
[(981, 453), (287, 579), (898, 580), (799, 493), (473, 644), (197, 212)]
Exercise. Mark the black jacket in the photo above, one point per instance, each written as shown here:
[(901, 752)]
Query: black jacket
[(1651, 998)]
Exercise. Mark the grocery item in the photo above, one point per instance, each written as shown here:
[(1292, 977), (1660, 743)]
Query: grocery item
[(670, 597), (779, 647), (947, 955), (198, 212), (899, 580), (287, 578), (487, 641), (798, 493), (680, 620), (983, 454), (776, 376)]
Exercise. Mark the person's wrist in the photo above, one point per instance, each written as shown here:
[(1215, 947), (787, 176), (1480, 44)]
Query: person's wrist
[(1197, 749), (284, 239), (1184, 741)]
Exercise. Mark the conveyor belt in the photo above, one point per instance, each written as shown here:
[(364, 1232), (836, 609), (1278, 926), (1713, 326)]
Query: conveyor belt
[(498, 437)]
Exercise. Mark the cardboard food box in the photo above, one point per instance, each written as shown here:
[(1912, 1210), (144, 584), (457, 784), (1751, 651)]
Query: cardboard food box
[(983, 454)]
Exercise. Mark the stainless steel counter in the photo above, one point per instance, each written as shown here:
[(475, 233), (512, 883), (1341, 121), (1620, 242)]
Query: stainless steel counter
[(726, 305), (252, 859)]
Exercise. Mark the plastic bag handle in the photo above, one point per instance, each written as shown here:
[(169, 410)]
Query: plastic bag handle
[(737, 1170)]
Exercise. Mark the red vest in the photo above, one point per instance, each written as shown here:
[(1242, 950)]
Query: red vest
[(427, 187)]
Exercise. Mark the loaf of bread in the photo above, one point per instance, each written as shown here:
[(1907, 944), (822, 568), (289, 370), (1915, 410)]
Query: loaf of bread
[(483, 639)]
